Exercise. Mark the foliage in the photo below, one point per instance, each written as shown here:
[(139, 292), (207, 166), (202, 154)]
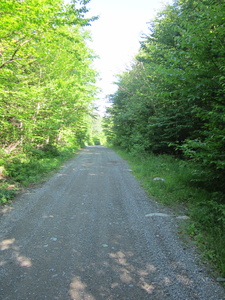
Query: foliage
[(46, 79), (6, 193), (96, 135), (30, 167), (172, 99), (107, 127)]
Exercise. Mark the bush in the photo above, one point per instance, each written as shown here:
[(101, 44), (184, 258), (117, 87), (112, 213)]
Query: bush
[(6, 194), (43, 151)]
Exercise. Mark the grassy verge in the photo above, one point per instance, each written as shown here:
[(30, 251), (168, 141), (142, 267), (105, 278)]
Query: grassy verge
[(24, 169), (171, 182)]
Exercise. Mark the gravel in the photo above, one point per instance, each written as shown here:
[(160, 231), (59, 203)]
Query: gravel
[(91, 232)]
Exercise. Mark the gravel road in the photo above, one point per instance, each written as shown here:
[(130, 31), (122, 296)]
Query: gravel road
[(90, 232)]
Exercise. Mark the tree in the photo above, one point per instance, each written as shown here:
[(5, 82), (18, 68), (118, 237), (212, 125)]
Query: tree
[(46, 78), (172, 99)]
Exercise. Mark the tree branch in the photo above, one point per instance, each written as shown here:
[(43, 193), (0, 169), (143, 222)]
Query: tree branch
[(12, 59), (15, 59)]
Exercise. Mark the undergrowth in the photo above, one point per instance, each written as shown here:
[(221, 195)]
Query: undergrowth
[(29, 167), (172, 182)]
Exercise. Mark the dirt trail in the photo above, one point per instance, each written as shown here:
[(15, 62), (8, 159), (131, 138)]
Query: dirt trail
[(90, 233)]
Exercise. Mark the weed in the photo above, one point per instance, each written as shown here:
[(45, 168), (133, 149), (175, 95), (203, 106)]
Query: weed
[(30, 167), (7, 192), (6, 195)]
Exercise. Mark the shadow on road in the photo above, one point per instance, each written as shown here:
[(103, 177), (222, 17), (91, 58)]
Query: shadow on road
[(121, 274)]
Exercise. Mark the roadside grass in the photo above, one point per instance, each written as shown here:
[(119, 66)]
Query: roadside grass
[(171, 182), (25, 169)]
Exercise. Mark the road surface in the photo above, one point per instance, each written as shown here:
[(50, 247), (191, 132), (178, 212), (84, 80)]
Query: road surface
[(90, 232)]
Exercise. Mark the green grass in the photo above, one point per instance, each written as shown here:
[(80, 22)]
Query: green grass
[(180, 192)]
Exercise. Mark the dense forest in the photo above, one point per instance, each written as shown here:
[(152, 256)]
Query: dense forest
[(46, 75), (172, 99), (170, 102), (47, 82)]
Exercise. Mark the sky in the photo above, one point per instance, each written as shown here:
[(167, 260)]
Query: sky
[(116, 37)]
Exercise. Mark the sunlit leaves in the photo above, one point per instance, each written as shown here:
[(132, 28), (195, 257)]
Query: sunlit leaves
[(46, 79)]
